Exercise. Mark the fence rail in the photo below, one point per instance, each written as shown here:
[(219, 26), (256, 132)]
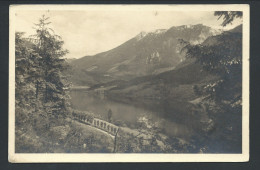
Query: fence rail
[(98, 123)]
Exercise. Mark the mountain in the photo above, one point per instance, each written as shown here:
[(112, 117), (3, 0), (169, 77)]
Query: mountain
[(145, 54), (186, 74), (237, 29), (172, 93), (169, 90)]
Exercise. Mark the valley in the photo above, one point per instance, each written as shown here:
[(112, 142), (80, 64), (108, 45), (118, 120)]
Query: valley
[(120, 81), (163, 92)]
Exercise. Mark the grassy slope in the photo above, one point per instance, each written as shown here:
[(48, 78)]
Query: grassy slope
[(179, 83)]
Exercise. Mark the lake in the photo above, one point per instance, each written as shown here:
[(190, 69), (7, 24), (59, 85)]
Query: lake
[(131, 113)]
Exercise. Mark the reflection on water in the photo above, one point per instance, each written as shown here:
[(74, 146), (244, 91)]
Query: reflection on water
[(128, 113)]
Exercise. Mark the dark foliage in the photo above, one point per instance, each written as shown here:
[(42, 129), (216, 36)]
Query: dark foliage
[(224, 59), (41, 97), (228, 16), (53, 84), (221, 55)]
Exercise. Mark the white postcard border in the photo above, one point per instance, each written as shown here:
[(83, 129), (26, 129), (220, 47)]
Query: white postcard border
[(82, 157)]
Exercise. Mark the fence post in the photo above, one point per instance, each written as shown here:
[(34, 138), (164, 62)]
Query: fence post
[(115, 141)]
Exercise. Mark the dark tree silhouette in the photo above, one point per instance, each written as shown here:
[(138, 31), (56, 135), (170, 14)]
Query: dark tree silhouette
[(228, 16)]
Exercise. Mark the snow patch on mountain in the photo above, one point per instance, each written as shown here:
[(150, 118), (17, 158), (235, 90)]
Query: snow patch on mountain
[(203, 36), (141, 35), (159, 31)]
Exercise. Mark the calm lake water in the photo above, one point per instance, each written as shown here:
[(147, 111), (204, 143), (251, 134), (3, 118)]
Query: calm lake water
[(129, 113)]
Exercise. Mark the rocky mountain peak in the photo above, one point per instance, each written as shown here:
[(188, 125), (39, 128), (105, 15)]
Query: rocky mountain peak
[(144, 54)]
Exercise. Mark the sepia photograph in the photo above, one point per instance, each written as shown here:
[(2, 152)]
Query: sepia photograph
[(129, 83)]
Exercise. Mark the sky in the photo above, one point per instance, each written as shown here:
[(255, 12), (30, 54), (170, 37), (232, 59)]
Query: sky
[(91, 32)]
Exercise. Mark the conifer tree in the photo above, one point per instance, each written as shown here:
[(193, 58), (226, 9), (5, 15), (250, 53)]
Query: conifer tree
[(53, 84)]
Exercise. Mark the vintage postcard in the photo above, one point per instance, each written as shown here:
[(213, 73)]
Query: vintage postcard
[(129, 83)]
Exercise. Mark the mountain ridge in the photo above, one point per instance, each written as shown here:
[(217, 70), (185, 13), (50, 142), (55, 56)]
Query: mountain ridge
[(188, 73), (145, 54)]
